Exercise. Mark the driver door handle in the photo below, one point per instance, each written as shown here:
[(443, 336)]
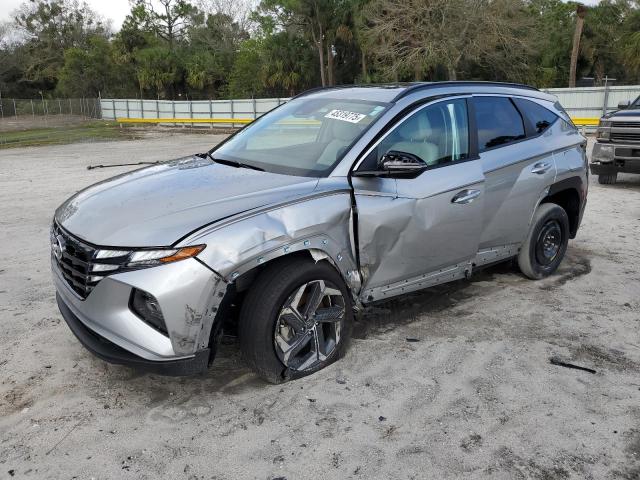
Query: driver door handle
[(541, 168), (465, 196)]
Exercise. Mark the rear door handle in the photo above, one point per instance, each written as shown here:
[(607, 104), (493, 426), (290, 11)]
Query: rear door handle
[(465, 196), (541, 168)]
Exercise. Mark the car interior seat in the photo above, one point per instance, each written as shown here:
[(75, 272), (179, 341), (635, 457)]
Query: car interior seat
[(343, 134), (414, 136)]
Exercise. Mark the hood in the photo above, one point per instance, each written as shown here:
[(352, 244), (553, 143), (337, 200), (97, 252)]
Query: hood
[(627, 112), (156, 206)]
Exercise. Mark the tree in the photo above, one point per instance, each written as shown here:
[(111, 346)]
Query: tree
[(213, 46), (286, 64), (169, 20), (245, 80), (87, 72), (49, 27), (581, 12), (416, 36), (631, 54), (158, 69), (553, 24), (319, 20)]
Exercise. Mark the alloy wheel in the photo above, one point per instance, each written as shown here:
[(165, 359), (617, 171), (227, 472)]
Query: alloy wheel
[(307, 329)]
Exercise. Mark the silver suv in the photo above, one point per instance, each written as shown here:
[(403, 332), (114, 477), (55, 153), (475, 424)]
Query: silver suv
[(339, 198)]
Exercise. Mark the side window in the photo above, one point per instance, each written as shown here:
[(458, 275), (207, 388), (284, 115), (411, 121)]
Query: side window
[(498, 122), (538, 116), (438, 134)]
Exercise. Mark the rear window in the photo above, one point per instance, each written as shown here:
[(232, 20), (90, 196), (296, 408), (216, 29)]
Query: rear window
[(539, 117), (498, 122)]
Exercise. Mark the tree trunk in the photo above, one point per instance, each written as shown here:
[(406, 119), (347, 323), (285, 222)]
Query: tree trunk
[(365, 74), (319, 41), (321, 57), (453, 75), (330, 68), (577, 35)]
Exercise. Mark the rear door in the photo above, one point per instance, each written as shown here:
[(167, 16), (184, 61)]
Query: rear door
[(517, 165), (416, 232)]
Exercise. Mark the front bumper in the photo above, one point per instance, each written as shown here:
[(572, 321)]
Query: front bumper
[(112, 353), (189, 295), (625, 159)]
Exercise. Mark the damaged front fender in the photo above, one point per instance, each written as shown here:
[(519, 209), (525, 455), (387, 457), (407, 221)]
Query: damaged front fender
[(319, 224)]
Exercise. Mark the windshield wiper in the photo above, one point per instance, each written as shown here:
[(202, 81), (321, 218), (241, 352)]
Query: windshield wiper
[(233, 163)]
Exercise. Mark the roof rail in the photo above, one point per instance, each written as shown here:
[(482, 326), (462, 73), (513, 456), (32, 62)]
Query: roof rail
[(410, 87), (427, 85)]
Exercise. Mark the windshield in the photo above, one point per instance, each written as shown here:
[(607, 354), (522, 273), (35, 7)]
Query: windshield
[(305, 137), (636, 102)]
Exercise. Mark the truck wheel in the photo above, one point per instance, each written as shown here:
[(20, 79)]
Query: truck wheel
[(547, 242), (295, 320), (608, 179)]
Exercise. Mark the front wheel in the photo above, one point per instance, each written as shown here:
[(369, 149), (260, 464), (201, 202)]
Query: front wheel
[(547, 242), (295, 320)]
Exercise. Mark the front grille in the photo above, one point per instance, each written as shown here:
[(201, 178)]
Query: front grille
[(625, 124), (625, 137), (74, 260)]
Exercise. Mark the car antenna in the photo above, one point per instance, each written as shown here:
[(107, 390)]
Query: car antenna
[(91, 167)]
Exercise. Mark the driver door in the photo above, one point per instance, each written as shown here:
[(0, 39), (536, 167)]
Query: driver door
[(423, 229)]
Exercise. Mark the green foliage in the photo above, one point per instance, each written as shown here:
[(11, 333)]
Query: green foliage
[(182, 48), (245, 80), (50, 27), (88, 71), (157, 68)]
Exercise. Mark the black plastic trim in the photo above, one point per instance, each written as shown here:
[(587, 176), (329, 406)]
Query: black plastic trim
[(112, 353), (572, 183), (566, 184)]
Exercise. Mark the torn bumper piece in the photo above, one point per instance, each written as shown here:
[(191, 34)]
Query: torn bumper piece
[(112, 353)]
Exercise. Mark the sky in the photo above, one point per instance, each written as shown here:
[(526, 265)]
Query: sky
[(116, 10)]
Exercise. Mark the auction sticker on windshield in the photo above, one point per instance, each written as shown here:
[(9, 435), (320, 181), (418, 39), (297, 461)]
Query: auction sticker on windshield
[(345, 116)]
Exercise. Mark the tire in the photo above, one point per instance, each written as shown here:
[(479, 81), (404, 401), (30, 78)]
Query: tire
[(543, 251), (268, 327), (608, 179)]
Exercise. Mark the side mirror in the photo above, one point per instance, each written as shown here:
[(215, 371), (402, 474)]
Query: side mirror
[(624, 104), (395, 162)]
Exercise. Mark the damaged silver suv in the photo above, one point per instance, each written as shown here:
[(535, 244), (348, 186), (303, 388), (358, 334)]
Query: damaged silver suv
[(338, 198)]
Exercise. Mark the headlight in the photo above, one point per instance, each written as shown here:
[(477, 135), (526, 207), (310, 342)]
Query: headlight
[(110, 260), (603, 153), (604, 130)]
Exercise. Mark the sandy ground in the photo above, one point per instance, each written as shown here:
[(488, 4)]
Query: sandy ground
[(474, 397)]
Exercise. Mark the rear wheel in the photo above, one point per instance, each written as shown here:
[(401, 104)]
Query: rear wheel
[(608, 179), (295, 320), (547, 242)]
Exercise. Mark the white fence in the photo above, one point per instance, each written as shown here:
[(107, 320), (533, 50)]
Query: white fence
[(197, 109), (582, 102), (593, 102)]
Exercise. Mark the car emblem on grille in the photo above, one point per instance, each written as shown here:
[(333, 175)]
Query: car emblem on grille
[(58, 245)]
